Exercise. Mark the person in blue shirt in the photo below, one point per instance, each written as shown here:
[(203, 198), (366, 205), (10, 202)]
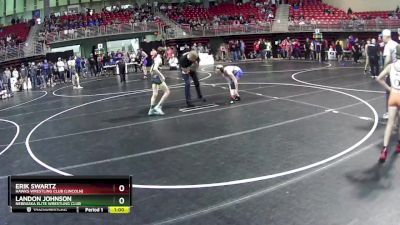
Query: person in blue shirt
[(78, 65), (46, 70)]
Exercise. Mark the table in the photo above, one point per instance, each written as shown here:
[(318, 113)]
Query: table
[(110, 69)]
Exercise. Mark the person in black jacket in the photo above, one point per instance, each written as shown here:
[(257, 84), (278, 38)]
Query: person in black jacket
[(188, 64), (372, 53), (92, 66), (122, 72)]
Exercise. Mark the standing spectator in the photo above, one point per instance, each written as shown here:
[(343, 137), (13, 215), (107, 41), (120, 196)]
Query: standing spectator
[(223, 52), (366, 56), (323, 50), (92, 66), (307, 49), (42, 75), (356, 49), (84, 64), (50, 73), (46, 70), (237, 50), (317, 45), (312, 50), (339, 51), (99, 62), (289, 49), (78, 65), (23, 71), (61, 70), (269, 49), (121, 67), (15, 73), (242, 49), (381, 45), (72, 70), (296, 49), (283, 46), (33, 75), (263, 49), (256, 47), (6, 80), (372, 54)]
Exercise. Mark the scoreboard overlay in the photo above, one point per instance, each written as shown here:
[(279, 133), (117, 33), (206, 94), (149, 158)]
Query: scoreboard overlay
[(70, 194)]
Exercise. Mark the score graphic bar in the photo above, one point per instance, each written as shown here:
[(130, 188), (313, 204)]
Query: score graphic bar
[(79, 194)]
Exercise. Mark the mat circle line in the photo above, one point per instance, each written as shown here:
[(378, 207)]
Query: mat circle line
[(15, 136), (219, 184)]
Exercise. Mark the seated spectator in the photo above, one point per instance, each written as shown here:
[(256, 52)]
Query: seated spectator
[(173, 62), (301, 22), (291, 23)]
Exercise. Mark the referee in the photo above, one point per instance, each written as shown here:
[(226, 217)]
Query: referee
[(189, 63)]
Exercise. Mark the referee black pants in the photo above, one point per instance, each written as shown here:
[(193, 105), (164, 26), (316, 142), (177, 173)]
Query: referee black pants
[(374, 64), (186, 78)]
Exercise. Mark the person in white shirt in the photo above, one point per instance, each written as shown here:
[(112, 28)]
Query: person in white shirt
[(389, 54), (61, 70), (173, 62), (15, 76), (158, 82), (74, 75), (232, 74), (15, 73), (268, 50), (7, 72)]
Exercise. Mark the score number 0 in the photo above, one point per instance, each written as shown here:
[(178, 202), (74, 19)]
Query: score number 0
[(121, 200)]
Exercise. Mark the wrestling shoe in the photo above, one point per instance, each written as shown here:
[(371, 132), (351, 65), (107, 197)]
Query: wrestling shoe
[(202, 99), (385, 116), (151, 112), (158, 111), (189, 104), (237, 98), (383, 156)]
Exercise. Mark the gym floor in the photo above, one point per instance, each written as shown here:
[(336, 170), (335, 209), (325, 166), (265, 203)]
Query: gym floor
[(301, 147)]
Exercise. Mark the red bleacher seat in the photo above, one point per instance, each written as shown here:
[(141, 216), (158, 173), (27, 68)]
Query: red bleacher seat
[(20, 30)]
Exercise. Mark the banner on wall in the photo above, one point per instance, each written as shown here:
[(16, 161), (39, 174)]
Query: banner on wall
[(74, 8), (35, 14)]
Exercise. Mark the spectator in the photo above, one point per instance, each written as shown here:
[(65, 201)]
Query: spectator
[(23, 77), (356, 49), (173, 62), (339, 51), (33, 75), (61, 70), (349, 11), (242, 47), (372, 54)]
